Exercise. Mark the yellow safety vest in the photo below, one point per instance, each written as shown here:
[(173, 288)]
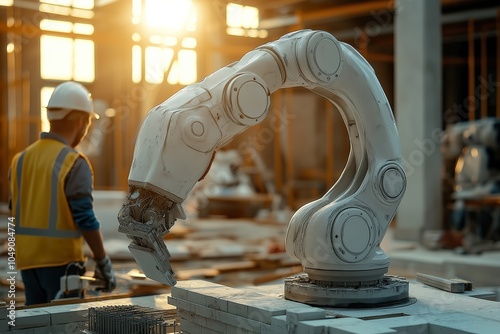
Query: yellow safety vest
[(46, 234)]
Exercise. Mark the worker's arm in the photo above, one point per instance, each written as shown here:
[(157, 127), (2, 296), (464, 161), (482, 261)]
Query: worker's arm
[(78, 191), (94, 240)]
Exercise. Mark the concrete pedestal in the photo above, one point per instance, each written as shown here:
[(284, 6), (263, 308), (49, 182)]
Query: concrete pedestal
[(206, 307)]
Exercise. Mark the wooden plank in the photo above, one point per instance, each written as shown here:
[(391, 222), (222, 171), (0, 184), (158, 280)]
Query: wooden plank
[(467, 284), (443, 283), (234, 266), (277, 275)]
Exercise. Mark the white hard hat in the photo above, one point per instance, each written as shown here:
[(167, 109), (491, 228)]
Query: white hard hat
[(67, 97)]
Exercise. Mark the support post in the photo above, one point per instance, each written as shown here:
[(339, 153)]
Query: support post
[(419, 115)]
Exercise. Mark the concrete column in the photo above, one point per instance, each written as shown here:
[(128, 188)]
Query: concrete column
[(418, 113)]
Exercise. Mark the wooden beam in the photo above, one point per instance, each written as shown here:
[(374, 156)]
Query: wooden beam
[(471, 72), (351, 10), (450, 285), (498, 61), (484, 68)]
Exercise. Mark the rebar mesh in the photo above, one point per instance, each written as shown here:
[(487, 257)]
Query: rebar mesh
[(130, 319)]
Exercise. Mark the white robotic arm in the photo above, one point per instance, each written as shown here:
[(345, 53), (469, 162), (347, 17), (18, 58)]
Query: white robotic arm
[(337, 237)]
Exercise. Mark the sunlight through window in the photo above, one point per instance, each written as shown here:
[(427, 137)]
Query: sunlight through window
[(187, 67), (158, 60), (64, 58), (83, 60), (83, 4), (136, 64), (243, 21), (67, 58), (77, 8), (154, 65), (170, 15), (45, 94), (56, 57)]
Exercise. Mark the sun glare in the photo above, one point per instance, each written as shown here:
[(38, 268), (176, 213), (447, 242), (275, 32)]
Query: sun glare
[(45, 94), (173, 15)]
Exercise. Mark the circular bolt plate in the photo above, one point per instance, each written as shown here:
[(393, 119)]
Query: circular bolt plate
[(392, 290)]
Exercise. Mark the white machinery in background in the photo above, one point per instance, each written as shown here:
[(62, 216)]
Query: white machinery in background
[(474, 148), (337, 237)]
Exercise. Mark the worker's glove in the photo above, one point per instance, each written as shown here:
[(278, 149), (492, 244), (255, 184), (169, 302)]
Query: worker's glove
[(104, 271)]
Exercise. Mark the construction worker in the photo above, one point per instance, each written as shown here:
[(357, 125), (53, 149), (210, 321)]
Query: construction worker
[(51, 198)]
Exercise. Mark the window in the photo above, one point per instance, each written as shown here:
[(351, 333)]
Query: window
[(76, 8), (45, 94), (164, 55), (243, 21), (66, 50), (67, 58), (167, 15)]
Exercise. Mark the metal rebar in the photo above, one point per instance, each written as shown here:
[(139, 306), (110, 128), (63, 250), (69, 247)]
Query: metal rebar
[(129, 319)]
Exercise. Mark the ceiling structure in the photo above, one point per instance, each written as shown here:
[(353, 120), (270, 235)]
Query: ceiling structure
[(355, 21)]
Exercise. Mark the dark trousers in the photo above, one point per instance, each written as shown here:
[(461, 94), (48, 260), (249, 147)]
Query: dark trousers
[(42, 284)]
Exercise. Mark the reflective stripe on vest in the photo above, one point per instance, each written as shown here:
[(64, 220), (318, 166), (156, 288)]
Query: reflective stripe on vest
[(52, 230)]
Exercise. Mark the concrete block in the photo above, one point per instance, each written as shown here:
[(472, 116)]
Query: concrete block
[(192, 284), (192, 317), (190, 327), (42, 330), (238, 330), (178, 292), (458, 322), (212, 300), (404, 324), (206, 330), (266, 329), (194, 308), (58, 316), (240, 322), (70, 328), (296, 315), (217, 325), (238, 306), (279, 324), (220, 316), (21, 331), (263, 310), (312, 327), (179, 303), (31, 318), (205, 311), (340, 326), (357, 326)]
